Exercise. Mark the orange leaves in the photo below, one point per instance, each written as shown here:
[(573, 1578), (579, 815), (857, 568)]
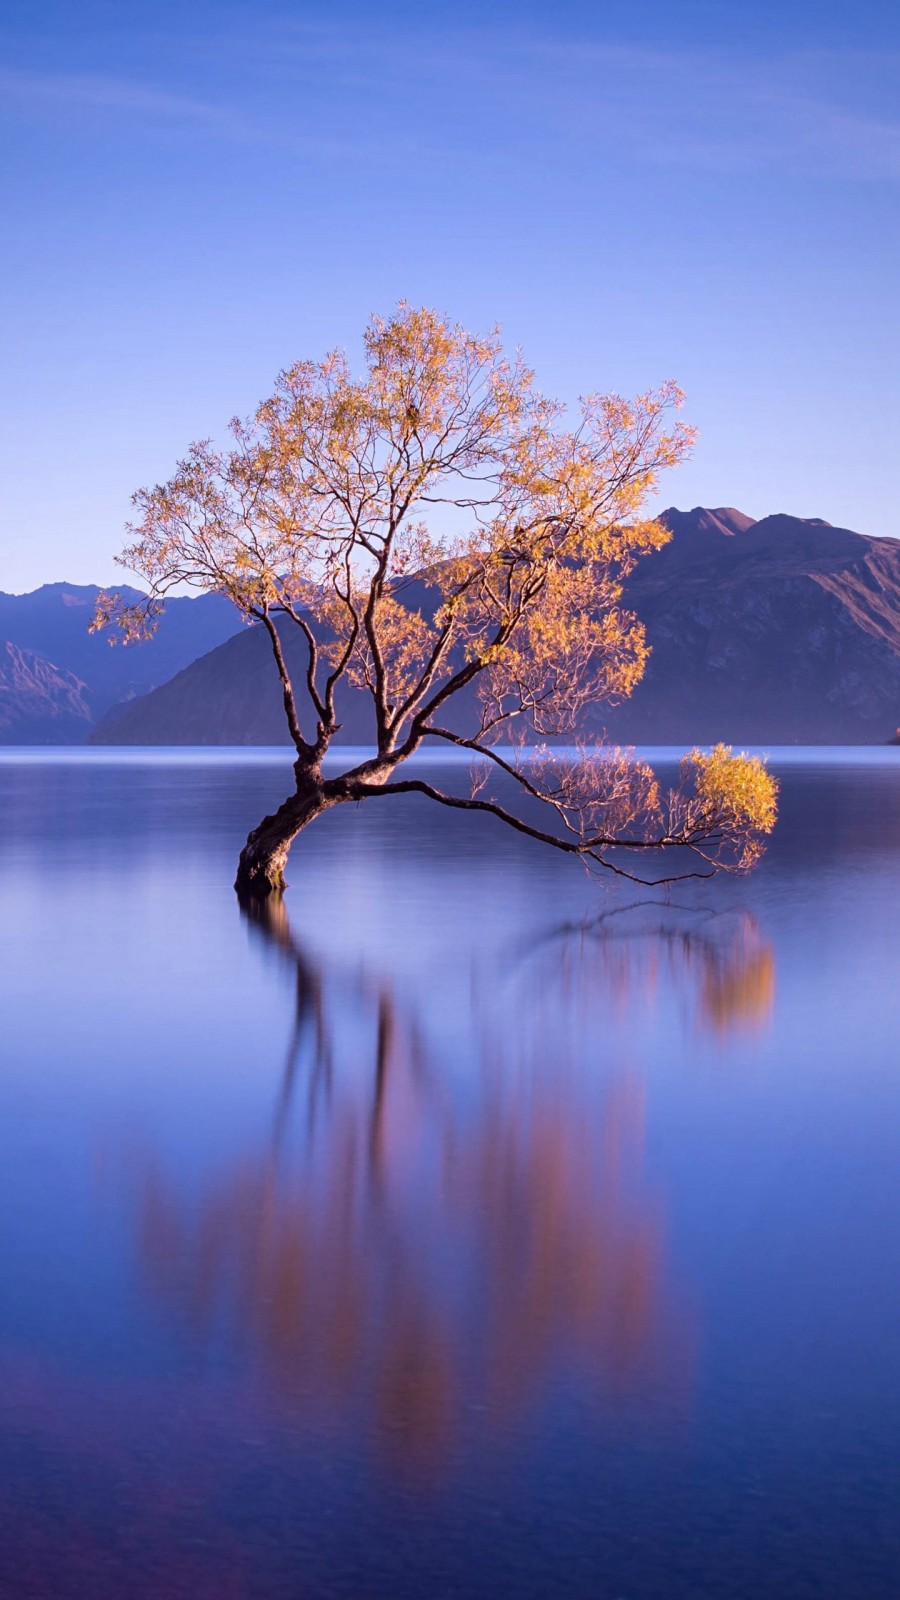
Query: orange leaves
[(737, 789), (402, 641), (439, 460), (442, 434), (614, 816), (601, 794), (127, 623), (437, 528), (729, 802)]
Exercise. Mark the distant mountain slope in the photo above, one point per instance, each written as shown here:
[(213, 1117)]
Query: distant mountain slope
[(39, 702), (230, 696), (784, 631), (773, 632), (53, 622)]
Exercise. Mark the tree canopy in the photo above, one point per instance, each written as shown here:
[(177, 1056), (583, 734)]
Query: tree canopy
[(442, 463)]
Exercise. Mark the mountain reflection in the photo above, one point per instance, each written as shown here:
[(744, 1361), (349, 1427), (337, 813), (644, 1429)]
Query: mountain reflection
[(422, 1256)]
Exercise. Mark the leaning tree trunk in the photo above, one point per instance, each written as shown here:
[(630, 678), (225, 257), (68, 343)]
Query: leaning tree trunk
[(262, 860)]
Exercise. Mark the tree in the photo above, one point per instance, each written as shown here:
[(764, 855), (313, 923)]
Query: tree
[(444, 462)]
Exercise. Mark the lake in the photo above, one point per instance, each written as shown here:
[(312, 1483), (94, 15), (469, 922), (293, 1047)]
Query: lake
[(462, 1228)]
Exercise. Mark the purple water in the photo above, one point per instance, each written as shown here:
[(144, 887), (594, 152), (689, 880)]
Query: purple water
[(467, 1230)]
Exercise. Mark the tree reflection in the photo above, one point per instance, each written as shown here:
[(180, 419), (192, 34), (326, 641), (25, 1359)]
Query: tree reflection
[(718, 963), (421, 1263)]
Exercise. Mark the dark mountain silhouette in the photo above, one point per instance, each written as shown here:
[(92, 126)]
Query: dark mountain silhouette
[(785, 630), (52, 623)]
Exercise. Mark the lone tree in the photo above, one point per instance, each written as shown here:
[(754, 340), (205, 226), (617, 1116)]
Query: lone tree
[(442, 462)]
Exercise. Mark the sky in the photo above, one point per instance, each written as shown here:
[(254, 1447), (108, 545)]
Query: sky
[(194, 195)]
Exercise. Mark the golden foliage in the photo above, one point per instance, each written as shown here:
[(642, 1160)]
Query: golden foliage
[(443, 463), (730, 798), (442, 459)]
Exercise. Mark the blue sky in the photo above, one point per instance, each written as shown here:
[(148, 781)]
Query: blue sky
[(195, 194)]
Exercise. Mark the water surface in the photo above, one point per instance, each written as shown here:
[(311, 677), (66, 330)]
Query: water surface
[(461, 1229)]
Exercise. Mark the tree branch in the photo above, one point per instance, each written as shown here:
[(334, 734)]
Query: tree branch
[(589, 849), (287, 688), (313, 656)]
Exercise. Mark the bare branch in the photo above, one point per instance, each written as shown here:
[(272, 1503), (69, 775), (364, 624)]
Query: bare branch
[(590, 851), (312, 656), (287, 689)]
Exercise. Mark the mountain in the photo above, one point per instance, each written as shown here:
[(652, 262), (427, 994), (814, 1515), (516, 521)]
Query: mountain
[(779, 631), (230, 696), (39, 702), (52, 623), (693, 525)]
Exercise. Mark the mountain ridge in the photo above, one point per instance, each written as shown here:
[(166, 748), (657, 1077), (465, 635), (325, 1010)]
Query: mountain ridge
[(52, 622), (775, 630), (39, 702)]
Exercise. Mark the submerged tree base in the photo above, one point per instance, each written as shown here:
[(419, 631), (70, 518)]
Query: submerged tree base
[(262, 861)]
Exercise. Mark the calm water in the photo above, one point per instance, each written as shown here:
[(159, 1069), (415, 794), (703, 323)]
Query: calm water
[(468, 1230)]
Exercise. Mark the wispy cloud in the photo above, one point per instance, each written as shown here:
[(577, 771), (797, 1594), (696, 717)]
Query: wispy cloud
[(711, 112), (98, 92), (812, 113), (438, 95)]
